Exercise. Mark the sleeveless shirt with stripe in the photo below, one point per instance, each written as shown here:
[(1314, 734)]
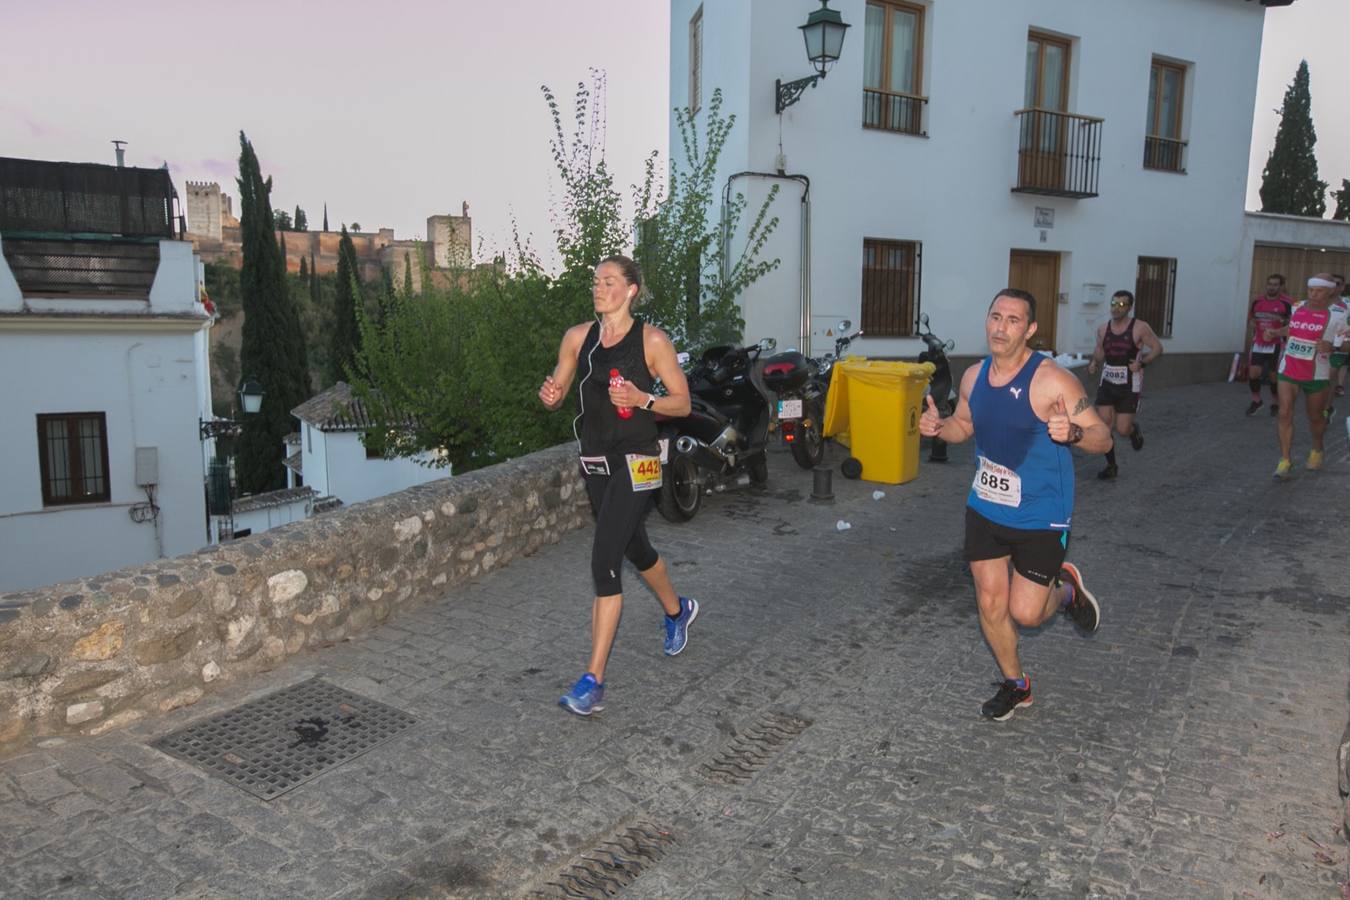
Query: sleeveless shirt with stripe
[(1009, 434)]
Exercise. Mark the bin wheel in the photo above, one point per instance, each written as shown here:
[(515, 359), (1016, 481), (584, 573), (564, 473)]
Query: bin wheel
[(851, 468)]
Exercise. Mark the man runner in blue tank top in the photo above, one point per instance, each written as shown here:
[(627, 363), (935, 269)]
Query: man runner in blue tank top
[(1024, 413)]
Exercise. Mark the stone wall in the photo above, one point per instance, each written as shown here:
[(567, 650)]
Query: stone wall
[(92, 655)]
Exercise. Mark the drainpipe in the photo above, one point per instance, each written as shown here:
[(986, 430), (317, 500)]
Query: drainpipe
[(804, 305)]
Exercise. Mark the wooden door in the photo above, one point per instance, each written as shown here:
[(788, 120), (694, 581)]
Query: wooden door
[(1037, 272)]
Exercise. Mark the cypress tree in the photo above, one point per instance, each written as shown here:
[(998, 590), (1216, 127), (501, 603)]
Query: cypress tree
[(407, 275), (301, 220), (325, 217), (273, 348), (281, 247), (346, 334), (1289, 183), (1342, 196), (313, 280), (304, 271)]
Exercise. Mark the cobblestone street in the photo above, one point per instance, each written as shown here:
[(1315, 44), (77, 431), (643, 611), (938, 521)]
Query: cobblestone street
[(1185, 750)]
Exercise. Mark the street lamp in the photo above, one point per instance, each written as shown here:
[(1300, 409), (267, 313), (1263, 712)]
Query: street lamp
[(824, 36), (250, 400)]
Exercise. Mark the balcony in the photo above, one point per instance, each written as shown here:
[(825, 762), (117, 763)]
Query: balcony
[(1058, 154), (1164, 154), (85, 230), (56, 200), (891, 111)]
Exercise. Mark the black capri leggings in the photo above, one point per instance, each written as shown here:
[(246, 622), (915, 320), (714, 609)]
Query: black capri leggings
[(619, 532)]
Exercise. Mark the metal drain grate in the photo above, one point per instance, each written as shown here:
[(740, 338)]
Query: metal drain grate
[(611, 866), (274, 743), (753, 749)]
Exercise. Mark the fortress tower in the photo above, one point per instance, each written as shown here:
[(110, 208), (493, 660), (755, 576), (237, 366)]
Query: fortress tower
[(451, 240), (207, 209)]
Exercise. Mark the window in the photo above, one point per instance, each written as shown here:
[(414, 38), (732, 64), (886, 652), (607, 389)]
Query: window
[(890, 287), (893, 67), (309, 437), (1154, 290), (1047, 85), (696, 61), (1163, 145), (73, 458)]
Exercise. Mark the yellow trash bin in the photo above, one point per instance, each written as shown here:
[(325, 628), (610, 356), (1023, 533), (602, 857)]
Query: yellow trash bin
[(878, 404)]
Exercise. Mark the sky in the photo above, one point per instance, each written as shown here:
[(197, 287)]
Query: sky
[(392, 114)]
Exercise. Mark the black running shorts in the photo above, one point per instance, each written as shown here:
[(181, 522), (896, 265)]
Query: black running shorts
[(1268, 363), (1117, 396), (1036, 555)]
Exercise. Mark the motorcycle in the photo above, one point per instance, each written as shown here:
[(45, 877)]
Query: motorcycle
[(801, 385), (723, 440), (940, 386)]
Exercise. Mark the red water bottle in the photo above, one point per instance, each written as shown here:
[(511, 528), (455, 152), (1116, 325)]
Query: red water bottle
[(616, 380)]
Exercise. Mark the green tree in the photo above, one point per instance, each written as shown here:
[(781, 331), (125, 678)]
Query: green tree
[(440, 370), (1289, 183), (693, 281), (325, 216), (273, 349), (283, 220), (301, 220), (344, 340), (304, 271), (222, 286), (1342, 198), (356, 226), (407, 276)]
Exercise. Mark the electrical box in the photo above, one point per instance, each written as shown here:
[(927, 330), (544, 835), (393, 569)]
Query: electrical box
[(147, 466)]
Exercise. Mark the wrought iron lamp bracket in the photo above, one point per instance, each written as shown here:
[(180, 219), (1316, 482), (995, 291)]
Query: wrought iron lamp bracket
[(789, 92)]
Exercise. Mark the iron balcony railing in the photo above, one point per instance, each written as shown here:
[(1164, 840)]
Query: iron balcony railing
[(893, 111), (1058, 153), (53, 200), (1165, 154)]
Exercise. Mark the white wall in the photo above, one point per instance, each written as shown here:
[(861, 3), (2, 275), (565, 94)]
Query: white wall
[(149, 380), (146, 386), (260, 520), (951, 190), (353, 478)]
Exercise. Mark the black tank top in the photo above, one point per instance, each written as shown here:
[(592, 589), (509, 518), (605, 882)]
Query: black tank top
[(1120, 349), (602, 431)]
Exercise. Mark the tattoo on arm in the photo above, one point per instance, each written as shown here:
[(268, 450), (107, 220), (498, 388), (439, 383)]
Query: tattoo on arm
[(1081, 405)]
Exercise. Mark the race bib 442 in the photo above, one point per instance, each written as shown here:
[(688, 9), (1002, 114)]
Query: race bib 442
[(644, 471)]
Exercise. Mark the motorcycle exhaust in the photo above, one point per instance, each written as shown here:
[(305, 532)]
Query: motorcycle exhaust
[(704, 457)]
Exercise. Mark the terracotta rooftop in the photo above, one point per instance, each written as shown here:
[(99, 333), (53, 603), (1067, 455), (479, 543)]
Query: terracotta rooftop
[(339, 409)]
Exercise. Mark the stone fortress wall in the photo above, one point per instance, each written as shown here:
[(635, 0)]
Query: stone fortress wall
[(215, 235), (92, 655)]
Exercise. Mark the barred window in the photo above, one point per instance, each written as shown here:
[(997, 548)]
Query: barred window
[(73, 458), (890, 287), (1155, 285)]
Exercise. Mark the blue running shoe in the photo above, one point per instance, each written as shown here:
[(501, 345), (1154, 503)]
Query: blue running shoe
[(585, 697), (677, 629)]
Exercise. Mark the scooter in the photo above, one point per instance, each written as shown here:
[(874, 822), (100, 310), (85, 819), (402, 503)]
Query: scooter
[(722, 442), (940, 385), (801, 385)]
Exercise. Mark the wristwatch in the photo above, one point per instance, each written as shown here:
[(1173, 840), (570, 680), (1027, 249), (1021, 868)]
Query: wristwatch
[(651, 401)]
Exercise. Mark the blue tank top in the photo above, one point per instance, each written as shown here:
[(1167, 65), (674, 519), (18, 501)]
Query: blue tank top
[(1023, 479)]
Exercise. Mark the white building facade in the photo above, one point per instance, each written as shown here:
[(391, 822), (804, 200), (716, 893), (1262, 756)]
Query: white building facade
[(1072, 149), (334, 460), (103, 347)]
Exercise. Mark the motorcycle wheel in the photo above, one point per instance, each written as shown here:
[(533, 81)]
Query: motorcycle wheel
[(809, 448), (851, 468), (758, 468), (681, 492)]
